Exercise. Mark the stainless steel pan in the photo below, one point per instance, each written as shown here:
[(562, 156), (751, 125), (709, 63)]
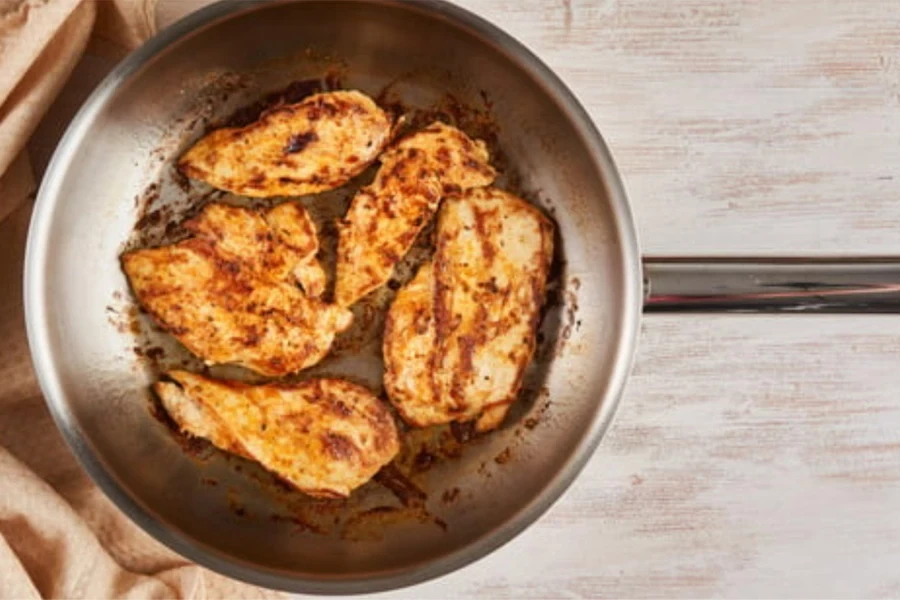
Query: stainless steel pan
[(450, 501)]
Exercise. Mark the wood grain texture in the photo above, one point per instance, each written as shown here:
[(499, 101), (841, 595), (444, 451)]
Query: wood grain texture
[(739, 127), (752, 457)]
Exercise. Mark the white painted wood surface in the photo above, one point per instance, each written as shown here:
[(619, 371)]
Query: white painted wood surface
[(752, 457)]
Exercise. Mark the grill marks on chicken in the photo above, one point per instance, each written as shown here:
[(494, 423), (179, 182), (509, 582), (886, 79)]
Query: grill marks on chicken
[(459, 336), (229, 293), (385, 217), (325, 436), (409, 351), (313, 146)]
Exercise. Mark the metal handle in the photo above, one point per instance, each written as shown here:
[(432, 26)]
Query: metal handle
[(867, 285)]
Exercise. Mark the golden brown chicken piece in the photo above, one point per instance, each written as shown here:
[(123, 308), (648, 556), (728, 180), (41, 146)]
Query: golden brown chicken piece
[(276, 243), (228, 294), (386, 216), (315, 145), (326, 437), (459, 336), (409, 352)]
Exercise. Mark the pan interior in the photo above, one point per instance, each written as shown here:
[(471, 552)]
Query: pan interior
[(96, 354)]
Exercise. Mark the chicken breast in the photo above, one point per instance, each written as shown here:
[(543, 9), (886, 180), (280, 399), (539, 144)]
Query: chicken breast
[(385, 217), (229, 293), (326, 437), (459, 336), (409, 352), (277, 243), (305, 148)]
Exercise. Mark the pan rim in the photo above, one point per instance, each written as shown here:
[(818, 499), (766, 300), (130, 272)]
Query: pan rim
[(49, 380)]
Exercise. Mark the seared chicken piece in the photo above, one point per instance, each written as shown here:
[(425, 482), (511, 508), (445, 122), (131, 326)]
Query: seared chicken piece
[(326, 437), (228, 293), (386, 216), (459, 336), (305, 148), (294, 229), (409, 351), (276, 244)]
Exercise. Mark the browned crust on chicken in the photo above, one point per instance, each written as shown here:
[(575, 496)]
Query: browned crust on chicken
[(325, 436), (385, 217), (315, 145), (229, 293), (459, 336), (409, 351)]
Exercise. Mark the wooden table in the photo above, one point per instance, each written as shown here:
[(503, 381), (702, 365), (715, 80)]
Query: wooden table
[(752, 456)]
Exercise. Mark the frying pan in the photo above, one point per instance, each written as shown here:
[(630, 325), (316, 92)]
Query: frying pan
[(450, 500)]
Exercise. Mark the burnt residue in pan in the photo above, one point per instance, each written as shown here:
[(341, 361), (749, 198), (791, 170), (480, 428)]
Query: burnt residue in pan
[(405, 490), (294, 92)]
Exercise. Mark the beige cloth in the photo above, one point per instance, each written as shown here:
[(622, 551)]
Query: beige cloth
[(59, 536)]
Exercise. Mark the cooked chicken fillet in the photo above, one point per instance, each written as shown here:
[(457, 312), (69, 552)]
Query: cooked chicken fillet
[(228, 294), (294, 229), (277, 243), (459, 336), (305, 148), (409, 347), (324, 436), (386, 216)]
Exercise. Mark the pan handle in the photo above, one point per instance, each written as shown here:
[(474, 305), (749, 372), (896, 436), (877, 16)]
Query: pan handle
[(835, 285)]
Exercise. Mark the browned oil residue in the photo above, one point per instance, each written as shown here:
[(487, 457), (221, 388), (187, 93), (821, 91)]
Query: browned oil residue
[(370, 525), (235, 504), (302, 526), (134, 324), (450, 496), (425, 449), (405, 490), (154, 354), (450, 446), (541, 406), (504, 457), (314, 514), (149, 196), (424, 460), (195, 447), (209, 481), (462, 432), (182, 181), (117, 319), (294, 92)]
